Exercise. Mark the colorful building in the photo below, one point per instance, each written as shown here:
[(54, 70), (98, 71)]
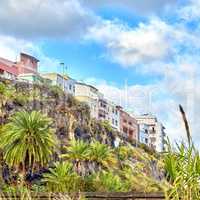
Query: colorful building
[(26, 64), (63, 81), (33, 78), (90, 95), (8, 69), (128, 125), (110, 112)]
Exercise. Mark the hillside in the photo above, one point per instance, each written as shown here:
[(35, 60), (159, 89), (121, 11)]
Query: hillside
[(86, 147)]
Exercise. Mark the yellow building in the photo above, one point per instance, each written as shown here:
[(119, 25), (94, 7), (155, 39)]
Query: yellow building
[(63, 81), (90, 95)]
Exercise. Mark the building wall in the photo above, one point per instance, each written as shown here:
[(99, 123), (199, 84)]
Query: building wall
[(143, 134), (128, 125), (8, 69), (110, 112), (90, 95), (156, 134), (27, 64), (65, 82)]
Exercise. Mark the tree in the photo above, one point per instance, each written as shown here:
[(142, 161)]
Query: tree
[(102, 154), (62, 178), (77, 151), (27, 140)]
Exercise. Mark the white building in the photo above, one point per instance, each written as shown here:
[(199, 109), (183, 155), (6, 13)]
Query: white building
[(143, 134), (109, 111), (155, 134), (64, 81)]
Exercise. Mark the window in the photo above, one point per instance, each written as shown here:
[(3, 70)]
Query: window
[(146, 141), (130, 123), (113, 110), (116, 122), (113, 121), (131, 133), (125, 121), (70, 87), (125, 130)]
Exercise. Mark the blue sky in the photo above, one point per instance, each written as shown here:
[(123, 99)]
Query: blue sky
[(142, 54)]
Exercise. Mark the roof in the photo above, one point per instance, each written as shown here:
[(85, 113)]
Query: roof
[(7, 62), (31, 57), (56, 74), (80, 83), (8, 66)]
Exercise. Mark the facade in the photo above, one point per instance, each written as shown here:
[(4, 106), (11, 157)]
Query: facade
[(33, 78), (156, 131), (143, 134), (63, 81), (8, 69), (110, 112), (128, 125), (26, 64), (90, 95)]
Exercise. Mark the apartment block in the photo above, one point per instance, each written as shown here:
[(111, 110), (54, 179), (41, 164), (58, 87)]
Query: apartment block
[(128, 125), (109, 111), (90, 95), (25, 64), (155, 131), (63, 81)]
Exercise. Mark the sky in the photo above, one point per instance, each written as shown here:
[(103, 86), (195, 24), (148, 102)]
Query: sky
[(142, 54)]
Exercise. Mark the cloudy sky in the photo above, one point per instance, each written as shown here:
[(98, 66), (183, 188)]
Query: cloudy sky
[(141, 54)]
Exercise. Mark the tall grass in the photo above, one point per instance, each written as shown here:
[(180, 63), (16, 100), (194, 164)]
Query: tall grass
[(182, 165)]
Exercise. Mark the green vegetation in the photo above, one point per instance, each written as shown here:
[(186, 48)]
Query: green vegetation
[(62, 178), (42, 143), (27, 141)]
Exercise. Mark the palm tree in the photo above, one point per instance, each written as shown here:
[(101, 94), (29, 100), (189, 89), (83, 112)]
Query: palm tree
[(102, 155), (77, 151), (62, 178), (27, 140)]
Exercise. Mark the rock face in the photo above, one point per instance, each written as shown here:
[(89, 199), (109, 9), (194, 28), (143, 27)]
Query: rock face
[(71, 119)]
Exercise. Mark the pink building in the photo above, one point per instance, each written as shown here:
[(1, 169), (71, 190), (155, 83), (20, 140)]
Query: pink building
[(128, 125), (26, 64)]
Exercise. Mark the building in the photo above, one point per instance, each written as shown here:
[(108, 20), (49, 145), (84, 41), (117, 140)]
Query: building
[(26, 64), (63, 81), (33, 78), (143, 133), (110, 112), (8, 69), (128, 125), (156, 131), (90, 95)]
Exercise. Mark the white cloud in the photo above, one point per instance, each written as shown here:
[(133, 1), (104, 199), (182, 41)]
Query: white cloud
[(44, 18), (146, 43), (180, 84), (190, 11)]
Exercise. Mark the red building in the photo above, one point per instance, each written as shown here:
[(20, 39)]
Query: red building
[(128, 125), (26, 64)]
